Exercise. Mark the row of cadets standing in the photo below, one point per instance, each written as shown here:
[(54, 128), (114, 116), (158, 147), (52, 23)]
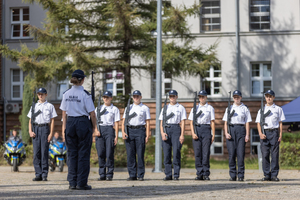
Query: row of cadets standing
[(173, 137), (138, 136), (108, 136)]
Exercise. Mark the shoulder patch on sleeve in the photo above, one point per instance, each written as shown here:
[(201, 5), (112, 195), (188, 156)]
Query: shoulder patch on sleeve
[(65, 91), (87, 92)]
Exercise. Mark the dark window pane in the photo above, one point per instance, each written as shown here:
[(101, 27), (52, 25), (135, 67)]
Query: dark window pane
[(205, 20), (215, 3), (255, 19), (168, 75), (205, 28), (16, 14), (120, 86), (206, 4), (254, 150), (16, 91), (16, 75), (218, 132), (218, 139), (207, 87), (254, 9), (216, 27), (215, 10), (260, 2), (25, 31), (217, 91), (265, 18), (255, 70), (217, 74), (215, 20), (265, 26), (265, 9), (16, 30), (267, 85), (26, 14), (218, 150), (206, 11), (254, 26), (217, 84)]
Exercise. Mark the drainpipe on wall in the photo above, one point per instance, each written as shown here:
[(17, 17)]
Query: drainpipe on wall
[(3, 70), (238, 51)]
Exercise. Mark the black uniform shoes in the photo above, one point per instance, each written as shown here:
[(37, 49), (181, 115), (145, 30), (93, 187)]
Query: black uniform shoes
[(37, 179), (87, 187), (168, 178)]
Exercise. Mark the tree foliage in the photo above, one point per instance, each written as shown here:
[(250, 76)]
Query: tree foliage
[(103, 35)]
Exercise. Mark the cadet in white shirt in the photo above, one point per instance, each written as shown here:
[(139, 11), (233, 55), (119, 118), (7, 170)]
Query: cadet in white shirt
[(174, 136), (41, 133), (239, 136), (273, 135), (137, 137), (202, 139), (78, 131), (108, 138)]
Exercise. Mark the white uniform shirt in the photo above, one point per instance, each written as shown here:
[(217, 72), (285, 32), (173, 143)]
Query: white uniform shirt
[(142, 111), (179, 113), (241, 115), (77, 102), (47, 112), (273, 118), (111, 115), (208, 114)]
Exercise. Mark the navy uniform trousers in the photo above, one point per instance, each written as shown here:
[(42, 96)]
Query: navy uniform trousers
[(79, 142), (270, 144), (173, 132), (236, 149), (135, 145), (202, 149), (41, 150), (105, 149)]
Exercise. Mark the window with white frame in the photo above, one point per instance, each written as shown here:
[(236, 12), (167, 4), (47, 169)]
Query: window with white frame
[(210, 15), (19, 23), (166, 79), (259, 14), (261, 78), (217, 146), (114, 82), (212, 82), (17, 84), (62, 86), (255, 140)]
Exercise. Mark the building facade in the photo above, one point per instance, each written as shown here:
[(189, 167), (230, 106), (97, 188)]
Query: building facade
[(269, 38)]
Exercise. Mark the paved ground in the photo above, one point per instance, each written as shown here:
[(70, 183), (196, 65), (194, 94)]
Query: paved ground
[(19, 185)]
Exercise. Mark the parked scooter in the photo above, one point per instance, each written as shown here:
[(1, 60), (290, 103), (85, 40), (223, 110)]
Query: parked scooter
[(15, 152), (57, 154)]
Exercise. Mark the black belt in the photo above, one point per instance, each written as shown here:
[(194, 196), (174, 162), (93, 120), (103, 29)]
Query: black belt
[(137, 127), (202, 125), (271, 129), (78, 116), (237, 125), (40, 125)]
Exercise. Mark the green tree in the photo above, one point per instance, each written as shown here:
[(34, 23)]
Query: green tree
[(27, 100), (103, 35)]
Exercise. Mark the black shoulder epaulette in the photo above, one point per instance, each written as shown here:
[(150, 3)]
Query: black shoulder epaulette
[(65, 91), (87, 92), (246, 106)]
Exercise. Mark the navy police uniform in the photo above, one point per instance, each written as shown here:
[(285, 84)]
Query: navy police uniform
[(271, 143), (40, 141), (202, 144), (135, 143), (105, 143), (173, 132), (236, 145), (78, 104)]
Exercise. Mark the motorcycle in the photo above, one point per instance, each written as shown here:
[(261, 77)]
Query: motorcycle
[(15, 152), (57, 155)]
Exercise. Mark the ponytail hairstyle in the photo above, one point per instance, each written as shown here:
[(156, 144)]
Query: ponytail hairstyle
[(76, 80)]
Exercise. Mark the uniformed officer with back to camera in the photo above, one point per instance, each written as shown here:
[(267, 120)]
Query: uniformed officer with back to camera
[(41, 133), (239, 130), (204, 136), (138, 136), (78, 129), (174, 136), (273, 135), (108, 138)]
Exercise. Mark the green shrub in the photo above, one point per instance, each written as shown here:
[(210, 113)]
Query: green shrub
[(289, 154), (291, 137)]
